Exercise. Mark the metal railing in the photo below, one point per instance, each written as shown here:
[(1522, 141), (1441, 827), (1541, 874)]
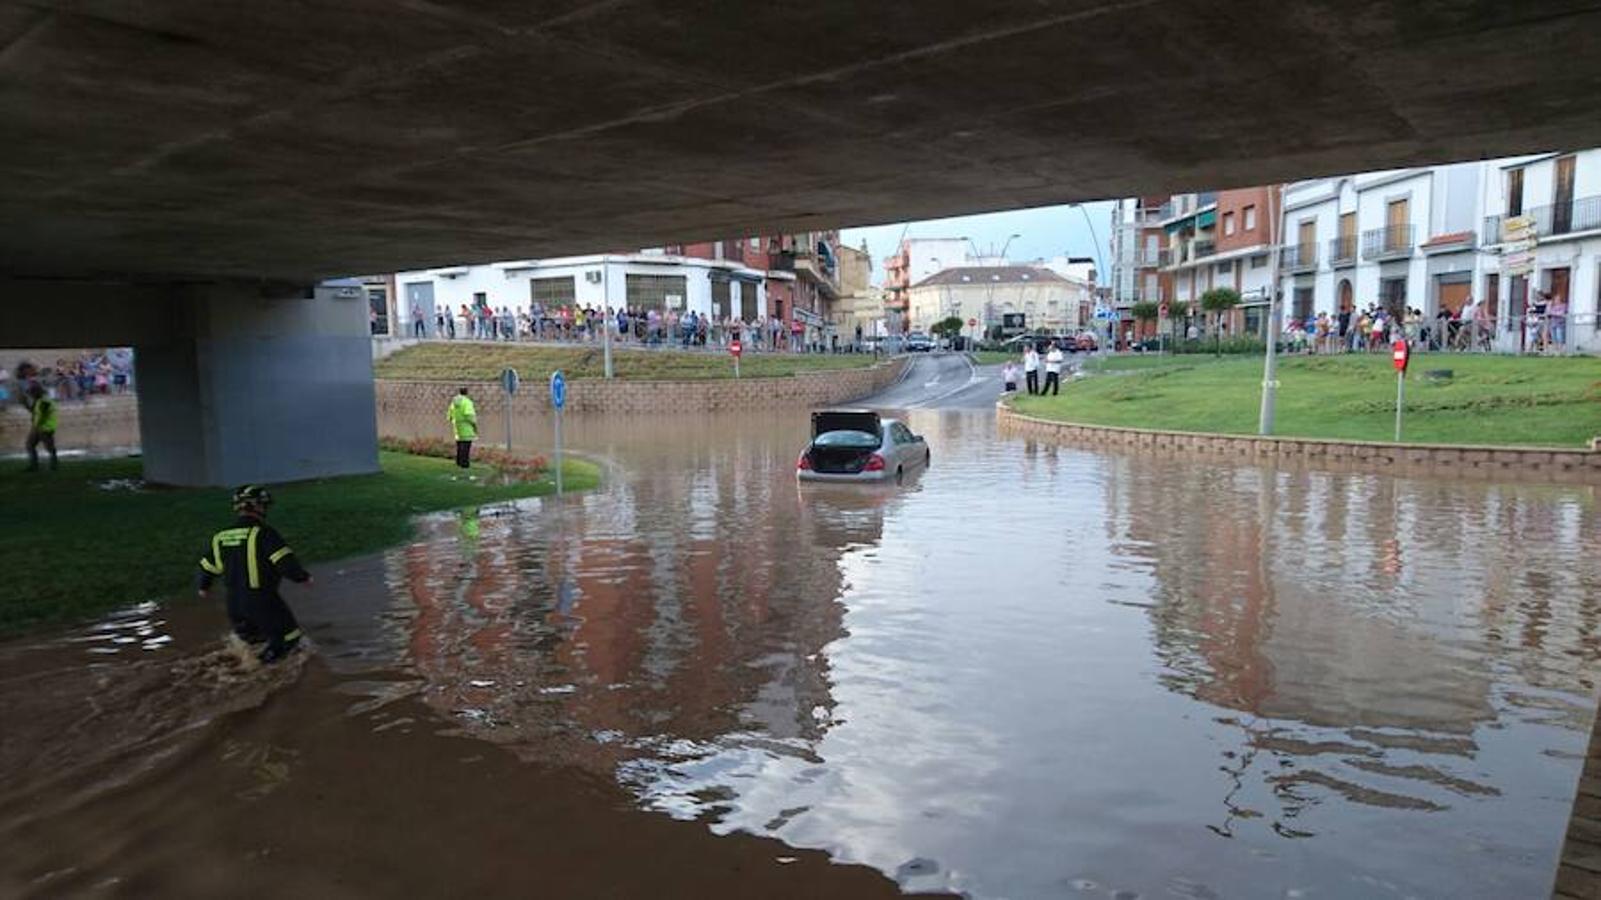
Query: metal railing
[(1583, 214), (1203, 248), (1388, 243), (1547, 334), (1169, 257), (1299, 257), (1342, 250)]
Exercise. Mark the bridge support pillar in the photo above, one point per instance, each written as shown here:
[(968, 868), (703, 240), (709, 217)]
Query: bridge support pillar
[(246, 388)]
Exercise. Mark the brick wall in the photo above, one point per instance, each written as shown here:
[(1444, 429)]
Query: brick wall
[(1522, 463), (595, 395)]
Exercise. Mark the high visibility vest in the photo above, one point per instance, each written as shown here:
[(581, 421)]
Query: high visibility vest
[(44, 415), (463, 417)]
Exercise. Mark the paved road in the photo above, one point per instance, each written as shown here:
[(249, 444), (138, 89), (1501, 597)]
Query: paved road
[(942, 381)]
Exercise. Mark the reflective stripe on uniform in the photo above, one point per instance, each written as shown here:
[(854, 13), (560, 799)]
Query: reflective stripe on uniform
[(251, 566), (210, 566), (293, 635), (278, 554)]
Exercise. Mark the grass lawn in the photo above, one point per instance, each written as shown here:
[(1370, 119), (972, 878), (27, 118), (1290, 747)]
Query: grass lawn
[(447, 361), (1491, 400), (71, 548), (994, 357)]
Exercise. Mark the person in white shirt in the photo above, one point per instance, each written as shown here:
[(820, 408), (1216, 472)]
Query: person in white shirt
[(1053, 371), (1009, 376), (1031, 368)]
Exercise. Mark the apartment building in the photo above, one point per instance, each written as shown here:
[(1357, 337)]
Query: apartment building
[(917, 259), (1542, 231), (1137, 241), (1496, 231)]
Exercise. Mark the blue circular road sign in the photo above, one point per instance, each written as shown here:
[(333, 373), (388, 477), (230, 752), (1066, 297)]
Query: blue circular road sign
[(558, 389)]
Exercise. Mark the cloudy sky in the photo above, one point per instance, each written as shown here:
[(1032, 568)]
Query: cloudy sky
[(1042, 232)]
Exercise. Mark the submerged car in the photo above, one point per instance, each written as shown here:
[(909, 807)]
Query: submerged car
[(858, 445)]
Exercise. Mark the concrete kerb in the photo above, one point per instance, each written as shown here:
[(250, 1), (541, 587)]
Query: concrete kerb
[(1550, 464)]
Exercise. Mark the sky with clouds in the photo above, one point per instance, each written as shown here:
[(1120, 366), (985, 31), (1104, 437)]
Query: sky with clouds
[(1042, 232)]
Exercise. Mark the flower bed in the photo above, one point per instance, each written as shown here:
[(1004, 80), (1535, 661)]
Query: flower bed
[(516, 468)]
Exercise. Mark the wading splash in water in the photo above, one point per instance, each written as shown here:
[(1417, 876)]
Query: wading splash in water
[(252, 558)]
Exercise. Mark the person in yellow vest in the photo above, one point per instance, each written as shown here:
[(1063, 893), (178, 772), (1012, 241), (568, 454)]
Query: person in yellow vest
[(42, 428), (463, 418)]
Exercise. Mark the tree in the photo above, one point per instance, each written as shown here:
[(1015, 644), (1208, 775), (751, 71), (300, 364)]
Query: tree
[(948, 327), (1218, 301), (1145, 311), (1176, 310)]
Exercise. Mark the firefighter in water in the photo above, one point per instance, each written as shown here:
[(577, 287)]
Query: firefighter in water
[(251, 558)]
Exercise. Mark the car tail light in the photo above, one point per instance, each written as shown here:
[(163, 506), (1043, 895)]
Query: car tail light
[(875, 463), (804, 464)]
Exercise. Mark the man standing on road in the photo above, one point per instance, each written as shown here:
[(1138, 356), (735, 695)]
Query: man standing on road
[(1053, 371), (42, 427), (251, 558), (463, 418), (1031, 368)]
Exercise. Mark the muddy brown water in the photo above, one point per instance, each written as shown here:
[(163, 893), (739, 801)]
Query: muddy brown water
[(1032, 671)]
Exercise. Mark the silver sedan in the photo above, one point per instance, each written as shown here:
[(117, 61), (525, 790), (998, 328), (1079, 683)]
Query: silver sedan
[(856, 445)]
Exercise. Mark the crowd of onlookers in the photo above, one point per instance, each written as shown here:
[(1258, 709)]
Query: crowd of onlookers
[(91, 372), (647, 327), (1471, 327)]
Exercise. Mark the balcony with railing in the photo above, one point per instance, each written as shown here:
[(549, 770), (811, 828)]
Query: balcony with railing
[(1557, 219), (1149, 216), (1299, 257), (1170, 257), (1342, 251), (1394, 242), (1203, 248)]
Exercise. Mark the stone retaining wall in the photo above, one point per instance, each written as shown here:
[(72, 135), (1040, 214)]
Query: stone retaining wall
[(1528, 463), (596, 395), (101, 423)]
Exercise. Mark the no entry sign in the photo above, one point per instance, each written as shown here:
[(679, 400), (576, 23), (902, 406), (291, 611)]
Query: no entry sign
[(736, 349), (1401, 355)]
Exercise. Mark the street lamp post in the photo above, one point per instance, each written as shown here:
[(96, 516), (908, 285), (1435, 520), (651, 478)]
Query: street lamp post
[(1270, 362), (607, 318)]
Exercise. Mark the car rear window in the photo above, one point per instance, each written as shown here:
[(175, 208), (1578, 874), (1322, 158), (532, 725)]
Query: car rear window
[(847, 439)]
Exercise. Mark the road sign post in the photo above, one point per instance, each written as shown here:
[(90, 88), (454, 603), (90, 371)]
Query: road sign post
[(1400, 356), (558, 400), (508, 383), (735, 350)]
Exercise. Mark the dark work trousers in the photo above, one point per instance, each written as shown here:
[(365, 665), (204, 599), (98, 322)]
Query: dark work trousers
[(35, 438), (417, 328), (464, 452), (1053, 384), (1034, 381)]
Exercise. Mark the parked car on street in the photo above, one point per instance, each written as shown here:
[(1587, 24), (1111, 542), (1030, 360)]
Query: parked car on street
[(918, 342), (857, 445)]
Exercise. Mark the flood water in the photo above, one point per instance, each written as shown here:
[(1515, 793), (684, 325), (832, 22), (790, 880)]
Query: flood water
[(1033, 671)]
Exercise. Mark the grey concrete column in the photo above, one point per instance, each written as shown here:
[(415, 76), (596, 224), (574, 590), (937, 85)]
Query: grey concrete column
[(246, 388)]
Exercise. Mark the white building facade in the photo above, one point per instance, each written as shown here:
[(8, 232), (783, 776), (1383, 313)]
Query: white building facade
[(984, 294), (1432, 238), (641, 282)]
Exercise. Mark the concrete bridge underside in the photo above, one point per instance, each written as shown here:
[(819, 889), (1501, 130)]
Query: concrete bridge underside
[(242, 151)]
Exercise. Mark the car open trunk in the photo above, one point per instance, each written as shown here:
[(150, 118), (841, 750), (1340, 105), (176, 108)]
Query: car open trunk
[(843, 440)]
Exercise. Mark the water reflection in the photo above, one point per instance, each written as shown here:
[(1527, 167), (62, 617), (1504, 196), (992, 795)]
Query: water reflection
[(1017, 675)]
